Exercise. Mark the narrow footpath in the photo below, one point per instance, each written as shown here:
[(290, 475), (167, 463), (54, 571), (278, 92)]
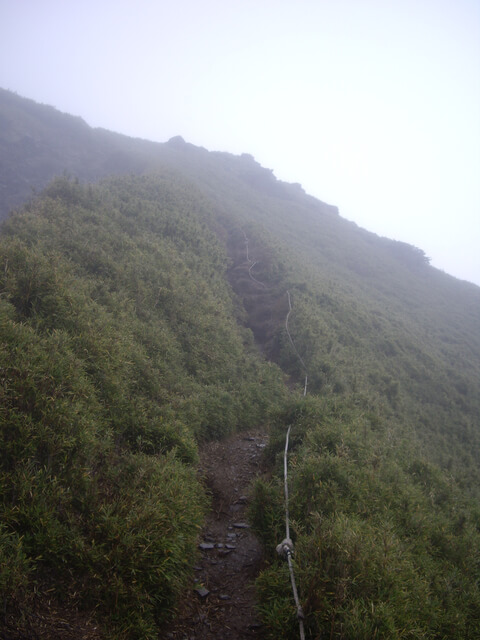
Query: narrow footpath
[(221, 604)]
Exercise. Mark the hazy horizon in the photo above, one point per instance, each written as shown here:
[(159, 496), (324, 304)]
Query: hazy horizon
[(372, 106)]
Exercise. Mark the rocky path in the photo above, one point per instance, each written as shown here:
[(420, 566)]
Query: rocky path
[(222, 603)]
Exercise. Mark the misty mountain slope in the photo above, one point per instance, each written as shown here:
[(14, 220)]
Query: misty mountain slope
[(120, 353), (38, 142), (129, 321), (372, 317)]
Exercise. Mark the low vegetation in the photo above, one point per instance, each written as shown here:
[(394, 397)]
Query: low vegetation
[(386, 545), (119, 354), (131, 333)]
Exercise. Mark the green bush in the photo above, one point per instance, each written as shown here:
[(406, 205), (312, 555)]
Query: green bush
[(118, 353), (385, 545), (15, 568)]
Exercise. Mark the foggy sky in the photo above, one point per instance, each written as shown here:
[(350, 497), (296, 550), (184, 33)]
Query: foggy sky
[(372, 105)]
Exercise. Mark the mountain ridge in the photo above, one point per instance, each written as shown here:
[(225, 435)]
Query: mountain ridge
[(107, 152), (133, 332)]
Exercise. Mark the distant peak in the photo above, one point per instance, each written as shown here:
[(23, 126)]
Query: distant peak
[(176, 141)]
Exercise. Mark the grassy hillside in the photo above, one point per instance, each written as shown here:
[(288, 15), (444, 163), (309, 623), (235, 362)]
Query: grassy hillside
[(120, 352), (372, 317), (132, 331), (38, 143), (384, 469)]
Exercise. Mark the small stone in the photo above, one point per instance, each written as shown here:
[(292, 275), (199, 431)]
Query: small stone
[(230, 546), (219, 545), (202, 592), (231, 536), (249, 439), (242, 499), (224, 596), (241, 525), (205, 546)]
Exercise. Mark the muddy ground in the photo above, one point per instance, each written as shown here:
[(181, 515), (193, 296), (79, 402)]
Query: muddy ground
[(222, 602)]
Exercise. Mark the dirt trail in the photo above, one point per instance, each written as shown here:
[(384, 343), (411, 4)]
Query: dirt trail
[(265, 306), (222, 607), (231, 556)]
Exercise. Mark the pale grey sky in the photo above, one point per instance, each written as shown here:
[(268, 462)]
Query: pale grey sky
[(372, 105)]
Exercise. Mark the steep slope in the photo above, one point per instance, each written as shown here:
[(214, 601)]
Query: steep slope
[(372, 316), (134, 317), (392, 351), (120, 353), (37, 143)]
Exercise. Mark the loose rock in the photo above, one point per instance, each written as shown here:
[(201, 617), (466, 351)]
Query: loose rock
[(230, 556), (202, 592)]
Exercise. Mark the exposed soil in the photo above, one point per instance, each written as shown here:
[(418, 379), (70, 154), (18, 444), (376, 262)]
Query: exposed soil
[(265, 306), (48, 620), (222, 603)]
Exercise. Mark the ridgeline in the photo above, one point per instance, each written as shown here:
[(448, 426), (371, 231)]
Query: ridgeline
[(132, 332)]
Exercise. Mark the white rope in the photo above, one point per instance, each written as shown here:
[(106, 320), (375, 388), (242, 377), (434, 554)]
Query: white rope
[(285, 548), (285, 474), (253, 277), (300, 614), (251, 264)]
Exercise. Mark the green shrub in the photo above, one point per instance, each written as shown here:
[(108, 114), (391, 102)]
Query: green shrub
[(118, 353), (15, 568), (385, 545)]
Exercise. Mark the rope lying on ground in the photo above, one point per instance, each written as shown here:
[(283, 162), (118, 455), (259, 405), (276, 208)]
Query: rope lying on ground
[(253, 277), (251, 264), (285, 548)]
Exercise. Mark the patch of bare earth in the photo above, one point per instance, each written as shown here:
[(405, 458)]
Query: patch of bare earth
[(47, 620), (221, 604)]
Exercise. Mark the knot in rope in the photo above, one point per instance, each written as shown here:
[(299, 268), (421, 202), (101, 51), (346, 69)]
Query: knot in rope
[(285, 548)]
